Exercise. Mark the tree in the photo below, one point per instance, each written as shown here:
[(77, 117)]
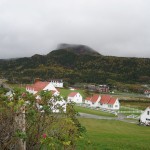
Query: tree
[(25, 126)]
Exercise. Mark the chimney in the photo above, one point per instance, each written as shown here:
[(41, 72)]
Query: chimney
[(37, 80)]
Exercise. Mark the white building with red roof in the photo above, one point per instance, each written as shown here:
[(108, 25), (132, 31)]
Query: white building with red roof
[(58, 105), (39, 86), (75, 97), (93, 101), (57, 83), (145, 116), (147, 93), (104, 101), (54, 104), (109, 102), (47, 86)]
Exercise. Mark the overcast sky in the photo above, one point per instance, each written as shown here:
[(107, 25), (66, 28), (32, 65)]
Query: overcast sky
[(111, 27)]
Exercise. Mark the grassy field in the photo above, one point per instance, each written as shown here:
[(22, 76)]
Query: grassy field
[(94, 112), (112, 134), (115, 135)]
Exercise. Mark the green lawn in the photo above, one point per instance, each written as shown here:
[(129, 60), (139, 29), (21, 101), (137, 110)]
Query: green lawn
[(94, 112), (65, 92), (115, 135)]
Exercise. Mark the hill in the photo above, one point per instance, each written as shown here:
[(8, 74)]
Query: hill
[(78, 49), (76, 63)]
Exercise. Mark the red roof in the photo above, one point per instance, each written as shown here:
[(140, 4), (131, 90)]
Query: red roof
[(93, 99), (147, 91), (105, 99), (88, 98), (112, 101), (38, 86), (72, 94)]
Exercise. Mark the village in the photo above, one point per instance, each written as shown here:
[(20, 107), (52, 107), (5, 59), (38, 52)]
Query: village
[(100, 102)]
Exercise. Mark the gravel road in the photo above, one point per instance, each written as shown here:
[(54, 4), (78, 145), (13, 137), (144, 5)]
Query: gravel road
[(120, 117)]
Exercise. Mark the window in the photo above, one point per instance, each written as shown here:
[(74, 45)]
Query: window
[(148, 112), (116, 105), (110, 106), (148, 119)]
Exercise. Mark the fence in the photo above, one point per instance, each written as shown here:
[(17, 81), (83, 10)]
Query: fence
[(130, 111), (98, 108)]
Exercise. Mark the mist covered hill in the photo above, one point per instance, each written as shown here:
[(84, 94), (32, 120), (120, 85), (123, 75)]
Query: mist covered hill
[(76, 63)]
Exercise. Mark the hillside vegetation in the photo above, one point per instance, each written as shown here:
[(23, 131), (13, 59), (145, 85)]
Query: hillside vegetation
[(76, 64)]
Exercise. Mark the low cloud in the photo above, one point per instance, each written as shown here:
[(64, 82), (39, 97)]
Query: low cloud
[(112, 27)]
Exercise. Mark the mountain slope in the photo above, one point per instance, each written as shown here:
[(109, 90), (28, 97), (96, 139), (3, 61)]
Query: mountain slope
[(74, 65)]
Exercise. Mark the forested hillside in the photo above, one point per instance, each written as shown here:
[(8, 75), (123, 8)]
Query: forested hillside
[(76, 64)]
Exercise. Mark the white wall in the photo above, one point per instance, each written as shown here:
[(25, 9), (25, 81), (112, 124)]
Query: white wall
[(56, 94), (96, 104), (148, 95), (76, 99), (30, 90), (55, 104), (104, 106), (50, 87), (116, 105), (61, 103), (57, 84), (88, 102), (145, 116)]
